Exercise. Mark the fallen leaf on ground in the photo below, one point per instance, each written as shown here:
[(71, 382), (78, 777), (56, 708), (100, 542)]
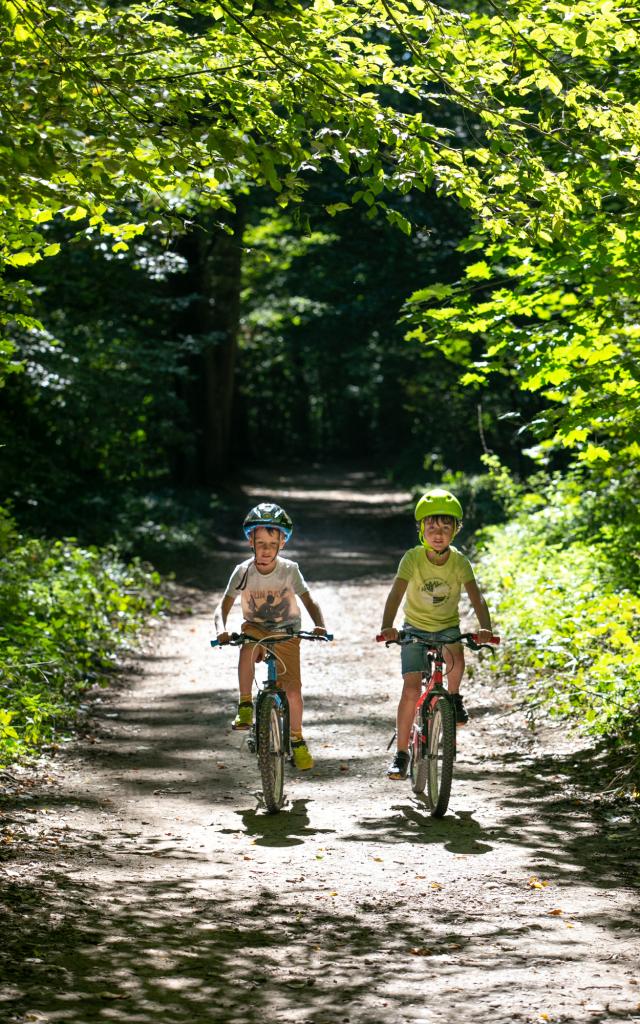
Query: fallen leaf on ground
[(536, 883), (421, 951), (556, 913)]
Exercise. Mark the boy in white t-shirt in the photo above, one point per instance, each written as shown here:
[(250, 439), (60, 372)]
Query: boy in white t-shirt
[(430, 577), (269, 587)]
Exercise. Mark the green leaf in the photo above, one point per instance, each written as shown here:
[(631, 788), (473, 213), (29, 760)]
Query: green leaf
[(23, 259), (478, 271)]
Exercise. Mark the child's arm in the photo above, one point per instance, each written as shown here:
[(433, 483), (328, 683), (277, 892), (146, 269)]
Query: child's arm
[(220, 618), (394, 597), (480, 608), (315, 612)]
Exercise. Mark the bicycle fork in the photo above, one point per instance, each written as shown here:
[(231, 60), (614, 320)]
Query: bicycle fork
[(427, 704), (282, 707)]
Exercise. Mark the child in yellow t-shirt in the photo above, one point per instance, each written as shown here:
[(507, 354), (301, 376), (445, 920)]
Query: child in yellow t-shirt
[(430, 577)]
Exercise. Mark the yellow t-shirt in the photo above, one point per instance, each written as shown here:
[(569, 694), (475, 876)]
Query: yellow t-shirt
[(433, 594)]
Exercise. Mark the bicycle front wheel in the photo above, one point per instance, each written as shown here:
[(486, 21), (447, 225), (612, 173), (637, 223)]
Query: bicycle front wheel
[(441, 753), (269, 729), (419, 763)]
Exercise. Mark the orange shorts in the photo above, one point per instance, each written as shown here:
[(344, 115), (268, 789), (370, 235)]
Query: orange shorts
[(287, 654)]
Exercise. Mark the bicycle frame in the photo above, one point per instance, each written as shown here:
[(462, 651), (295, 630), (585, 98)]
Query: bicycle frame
[(432, 688), (270, 733), (432, 741)]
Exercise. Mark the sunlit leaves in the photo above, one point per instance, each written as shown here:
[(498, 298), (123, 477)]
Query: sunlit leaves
[(557, 574)]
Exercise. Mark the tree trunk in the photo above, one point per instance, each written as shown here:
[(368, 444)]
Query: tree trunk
[(209, 327)]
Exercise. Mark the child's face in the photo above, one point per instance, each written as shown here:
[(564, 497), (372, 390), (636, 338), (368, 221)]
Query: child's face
[(438, 532), (266, 544)]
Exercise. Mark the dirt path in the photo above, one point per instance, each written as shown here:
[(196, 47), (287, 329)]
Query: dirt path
[(143, 883)]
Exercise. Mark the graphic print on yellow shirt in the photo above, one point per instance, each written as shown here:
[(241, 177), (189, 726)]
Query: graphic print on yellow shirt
[(433, 591), (269, 599)]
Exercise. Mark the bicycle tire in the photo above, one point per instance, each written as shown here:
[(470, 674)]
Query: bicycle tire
[(441, 755), (419, 762), (269, 728)]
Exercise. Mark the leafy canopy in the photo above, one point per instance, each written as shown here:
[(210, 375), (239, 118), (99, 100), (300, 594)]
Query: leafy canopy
[(108, 104), (527, 114)]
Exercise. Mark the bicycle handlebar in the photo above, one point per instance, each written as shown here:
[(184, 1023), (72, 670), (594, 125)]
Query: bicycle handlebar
[(237, 639), (471, 639)]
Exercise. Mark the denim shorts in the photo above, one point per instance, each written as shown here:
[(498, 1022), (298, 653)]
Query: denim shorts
[(413, 656)]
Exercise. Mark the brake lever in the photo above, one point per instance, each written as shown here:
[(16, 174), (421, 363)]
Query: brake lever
[(486, 647)]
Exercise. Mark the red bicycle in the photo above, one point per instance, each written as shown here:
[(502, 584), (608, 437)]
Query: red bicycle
[(432, 743)]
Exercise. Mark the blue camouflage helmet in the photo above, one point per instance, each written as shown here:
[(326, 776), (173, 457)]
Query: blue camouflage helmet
[(268, 514)]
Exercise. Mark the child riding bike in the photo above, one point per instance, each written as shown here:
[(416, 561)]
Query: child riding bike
[(431, 575), (269, 586)]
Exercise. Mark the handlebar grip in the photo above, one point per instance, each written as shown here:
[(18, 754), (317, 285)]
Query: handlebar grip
[(380, 638), (215, 643)]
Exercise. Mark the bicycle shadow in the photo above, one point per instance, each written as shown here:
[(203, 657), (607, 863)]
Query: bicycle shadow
[(290, 827), (457, 833)]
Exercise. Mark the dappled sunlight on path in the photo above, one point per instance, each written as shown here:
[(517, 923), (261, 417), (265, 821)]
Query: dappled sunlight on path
[(148, 885)]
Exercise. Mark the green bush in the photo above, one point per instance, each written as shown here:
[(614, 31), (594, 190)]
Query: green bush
[(66, 613), (570, 619)]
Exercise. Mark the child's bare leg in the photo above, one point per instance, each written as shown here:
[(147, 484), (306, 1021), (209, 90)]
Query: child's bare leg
[(410, 693), (454, 663), (296, 706), (246, 671)]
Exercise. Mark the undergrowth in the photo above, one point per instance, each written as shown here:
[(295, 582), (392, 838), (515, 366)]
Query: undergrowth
[(568, 610), (67, 612)]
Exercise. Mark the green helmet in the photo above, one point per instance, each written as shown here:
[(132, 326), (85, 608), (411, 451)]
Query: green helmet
[(438, 502)]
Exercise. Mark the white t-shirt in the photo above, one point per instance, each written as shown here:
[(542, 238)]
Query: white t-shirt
[(269, 600)]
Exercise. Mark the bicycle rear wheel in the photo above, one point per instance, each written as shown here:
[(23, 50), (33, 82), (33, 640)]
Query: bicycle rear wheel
[(269, 728), (419, 763), (441, 754)]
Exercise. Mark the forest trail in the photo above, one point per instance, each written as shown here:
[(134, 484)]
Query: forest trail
[(143, 883)]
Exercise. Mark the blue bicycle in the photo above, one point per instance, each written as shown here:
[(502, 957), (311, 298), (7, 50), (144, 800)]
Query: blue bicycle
[(270, 736)]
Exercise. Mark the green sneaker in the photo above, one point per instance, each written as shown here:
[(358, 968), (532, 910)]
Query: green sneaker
[(244, 718), (302, 759)]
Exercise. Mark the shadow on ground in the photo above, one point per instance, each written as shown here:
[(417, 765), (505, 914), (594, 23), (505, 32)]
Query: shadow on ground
[(166, 951)]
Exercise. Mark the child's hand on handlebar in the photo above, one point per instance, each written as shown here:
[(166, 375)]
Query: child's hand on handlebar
[(389, 634), (319, 631), (223, 638), (484, 636)]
